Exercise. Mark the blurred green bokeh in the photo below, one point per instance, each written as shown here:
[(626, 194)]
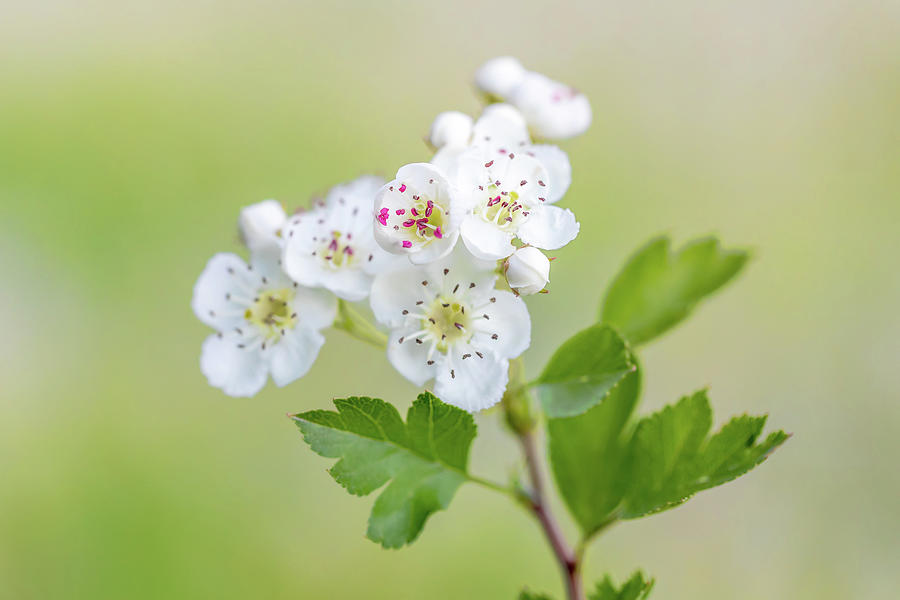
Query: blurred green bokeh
[(131, 134)]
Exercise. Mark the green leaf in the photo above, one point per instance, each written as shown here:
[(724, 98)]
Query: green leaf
[(636, 588), (672, 459), (589, 455), (583, 370), (657, 288), (424, 459)]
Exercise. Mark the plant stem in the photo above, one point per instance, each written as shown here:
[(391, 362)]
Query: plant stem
[(569, 561), (356, 325), (523, 421)]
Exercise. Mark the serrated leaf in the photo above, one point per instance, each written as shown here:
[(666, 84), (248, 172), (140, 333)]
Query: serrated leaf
[(424, 459), (582, 371), (636, 588), (589, 455), (657, 288), (672, 459)]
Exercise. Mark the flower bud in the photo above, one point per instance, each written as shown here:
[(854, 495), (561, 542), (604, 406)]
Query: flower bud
[(260, 223), (527, 270), (499, 76), (450, 128), (554, 111)]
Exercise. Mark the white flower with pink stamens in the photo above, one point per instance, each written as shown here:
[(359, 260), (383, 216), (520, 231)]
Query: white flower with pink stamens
[(449, 324), (553, 110), (332, 245), (506, 199), (265, 323), (417, 214), (500, 129)]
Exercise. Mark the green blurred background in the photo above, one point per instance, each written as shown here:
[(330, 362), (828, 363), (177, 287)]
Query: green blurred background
[(131, 133)]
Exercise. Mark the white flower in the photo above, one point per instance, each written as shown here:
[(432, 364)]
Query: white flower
[(499, 76), (501, 129), (260, 225), (527, 270), (451, 128), (552, 109), (417, 214), (505, 198), (332, 245), (450, 324), (265, 324)]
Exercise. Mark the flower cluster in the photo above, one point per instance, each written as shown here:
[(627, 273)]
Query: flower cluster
[(426, 249)]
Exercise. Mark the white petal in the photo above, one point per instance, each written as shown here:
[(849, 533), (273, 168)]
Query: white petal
[(292, 356), (553, 110), (501, 126), (463, 270), (473, 383), (485, 240), (381, 261), (316, 308), (447, 160), (527, 270), (509, 321), (409, 357), (351, 284), (436, 249), (396, 291), (361, 190), (224, 281), (299, 263), (499, 76), (236, 371), (451, 129), (559, 170), (550, 228), (260, 225)]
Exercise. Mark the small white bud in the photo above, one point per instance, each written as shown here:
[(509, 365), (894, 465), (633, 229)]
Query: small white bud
[(260, 223), (451, 129), (527, 270), (554, 111), (499, 76)]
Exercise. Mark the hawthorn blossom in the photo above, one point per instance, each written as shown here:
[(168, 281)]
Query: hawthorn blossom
[(417, 214), (500, 129), (265, 323), (332, 245), (552, 109), (448, 323), (505, 199), (527, 271)]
